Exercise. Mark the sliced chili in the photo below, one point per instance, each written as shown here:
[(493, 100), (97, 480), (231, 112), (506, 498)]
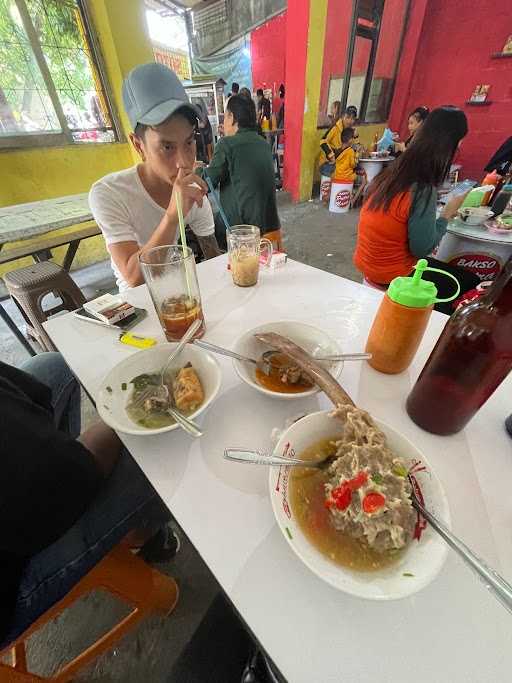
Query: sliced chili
[(373, 502), (342, 496), (358, 481)]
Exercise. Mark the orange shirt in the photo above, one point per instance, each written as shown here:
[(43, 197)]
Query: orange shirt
[(345, 165), (382, 249)]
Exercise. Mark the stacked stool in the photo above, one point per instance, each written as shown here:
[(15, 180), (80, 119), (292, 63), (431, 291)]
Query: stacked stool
[(28, 287)]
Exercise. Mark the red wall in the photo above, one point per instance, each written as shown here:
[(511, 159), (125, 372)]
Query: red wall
[(452, 56), (268, 48)]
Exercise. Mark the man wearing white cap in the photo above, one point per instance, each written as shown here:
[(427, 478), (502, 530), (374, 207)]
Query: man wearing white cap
[(136, 208)]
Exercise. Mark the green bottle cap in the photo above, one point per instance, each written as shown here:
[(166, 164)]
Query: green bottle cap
[(415, 292)]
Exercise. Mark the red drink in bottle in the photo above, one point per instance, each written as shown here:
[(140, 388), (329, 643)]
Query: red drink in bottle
[(472, 357)]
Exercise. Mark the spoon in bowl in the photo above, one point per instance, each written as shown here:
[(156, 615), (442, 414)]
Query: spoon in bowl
[(259, 458), (267, 358), (494, 583)]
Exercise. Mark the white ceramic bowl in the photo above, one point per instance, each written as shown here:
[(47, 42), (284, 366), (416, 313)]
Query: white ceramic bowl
[(475, 215), (312, 339), (422, 559), (111, 404)]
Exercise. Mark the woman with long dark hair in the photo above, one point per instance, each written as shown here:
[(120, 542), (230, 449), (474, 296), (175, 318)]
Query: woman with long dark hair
[(398, 224), (414, 123)]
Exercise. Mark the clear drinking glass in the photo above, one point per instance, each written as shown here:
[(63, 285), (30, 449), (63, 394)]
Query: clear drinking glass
[(170, 274), (244, 246)]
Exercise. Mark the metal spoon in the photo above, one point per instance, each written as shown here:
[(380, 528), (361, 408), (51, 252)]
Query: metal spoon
[(187, 425), (260, 458), (266, 357), (494, 583)]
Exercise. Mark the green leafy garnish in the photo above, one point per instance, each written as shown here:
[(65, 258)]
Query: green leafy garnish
[(141, 382), (124, 386), (407, 574), (377, 478), (109, 389), (289, 533), (400, 471)]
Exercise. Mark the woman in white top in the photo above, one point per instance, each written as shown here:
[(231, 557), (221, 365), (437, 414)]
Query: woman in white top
[(136, 208)]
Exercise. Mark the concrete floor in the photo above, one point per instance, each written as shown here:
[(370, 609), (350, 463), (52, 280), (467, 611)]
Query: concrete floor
[(313, 236)]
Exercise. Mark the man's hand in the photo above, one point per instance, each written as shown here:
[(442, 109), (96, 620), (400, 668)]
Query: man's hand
[(331, 157), (192, 189)]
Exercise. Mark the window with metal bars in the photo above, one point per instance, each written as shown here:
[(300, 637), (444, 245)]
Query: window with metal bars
[(52, 85)]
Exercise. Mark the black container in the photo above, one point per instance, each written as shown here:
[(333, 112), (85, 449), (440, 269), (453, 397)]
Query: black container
[(502, 199)]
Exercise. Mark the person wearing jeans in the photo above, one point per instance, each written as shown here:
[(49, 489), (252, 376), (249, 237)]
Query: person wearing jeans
[(65, 500)]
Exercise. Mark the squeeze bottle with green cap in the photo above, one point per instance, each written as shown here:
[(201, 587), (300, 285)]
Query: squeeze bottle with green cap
[(402, 319)]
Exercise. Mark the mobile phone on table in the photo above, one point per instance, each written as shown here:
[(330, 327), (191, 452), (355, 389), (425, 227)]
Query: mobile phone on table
[(125, 324)]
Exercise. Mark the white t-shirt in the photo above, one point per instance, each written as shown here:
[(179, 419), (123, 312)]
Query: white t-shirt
[(125, 212)]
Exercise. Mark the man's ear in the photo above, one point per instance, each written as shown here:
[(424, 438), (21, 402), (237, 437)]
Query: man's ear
[(138, 145)]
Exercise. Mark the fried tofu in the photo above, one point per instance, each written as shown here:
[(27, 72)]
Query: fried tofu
[(187, 390)]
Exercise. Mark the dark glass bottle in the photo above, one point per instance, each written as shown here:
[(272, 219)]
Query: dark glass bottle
[(472, 357)]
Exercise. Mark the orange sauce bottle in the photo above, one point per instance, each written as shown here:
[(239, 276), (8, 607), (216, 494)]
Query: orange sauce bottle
[(402, 319)]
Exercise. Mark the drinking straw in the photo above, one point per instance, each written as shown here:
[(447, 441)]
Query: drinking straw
[(216, 200), (183, 240)]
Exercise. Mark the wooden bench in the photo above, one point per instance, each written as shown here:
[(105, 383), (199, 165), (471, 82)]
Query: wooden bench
[(41, 250)]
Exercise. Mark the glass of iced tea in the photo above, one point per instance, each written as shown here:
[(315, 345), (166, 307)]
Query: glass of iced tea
[(171, 277), (245, 245)]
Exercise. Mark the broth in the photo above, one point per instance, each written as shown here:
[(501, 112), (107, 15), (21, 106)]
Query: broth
[(307, 500), (141, 417), (273, 381)]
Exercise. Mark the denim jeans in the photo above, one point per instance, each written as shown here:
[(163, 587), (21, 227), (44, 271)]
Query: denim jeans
[(327, 168), (126, 501)]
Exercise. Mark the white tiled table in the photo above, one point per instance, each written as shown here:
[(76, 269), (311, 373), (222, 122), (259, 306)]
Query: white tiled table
[(21, 221), (451, 632)]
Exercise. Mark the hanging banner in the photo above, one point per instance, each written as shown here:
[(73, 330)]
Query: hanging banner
[(232, 63)]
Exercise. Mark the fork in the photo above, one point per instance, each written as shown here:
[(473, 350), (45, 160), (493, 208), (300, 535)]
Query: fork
[(161, 391), (494, 583)]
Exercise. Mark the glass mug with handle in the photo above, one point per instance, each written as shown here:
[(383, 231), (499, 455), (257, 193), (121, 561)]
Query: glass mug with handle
[(244, 246), (170, 274)]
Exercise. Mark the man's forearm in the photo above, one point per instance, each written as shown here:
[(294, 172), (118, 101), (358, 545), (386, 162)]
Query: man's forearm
[(165, 233), (209, 246)]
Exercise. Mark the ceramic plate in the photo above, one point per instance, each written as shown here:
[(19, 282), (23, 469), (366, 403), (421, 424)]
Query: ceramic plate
[(420, 563)]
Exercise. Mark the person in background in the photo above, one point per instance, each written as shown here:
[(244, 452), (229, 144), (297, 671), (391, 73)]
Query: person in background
[(235, 88), (397, 223), (346, 158), (335, 113), (414, 123), (331, 141), (280, 113), (263, 106), (245, 92), (66, 498), (204, 135), (243, 167), (136, 208)]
